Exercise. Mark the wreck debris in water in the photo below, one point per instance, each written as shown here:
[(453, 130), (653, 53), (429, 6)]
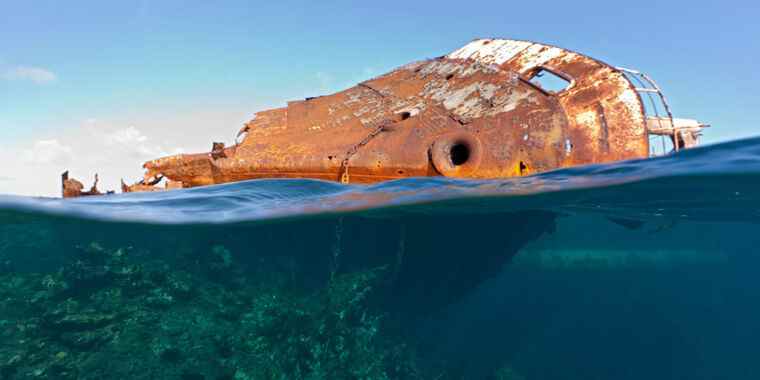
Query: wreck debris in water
[(492, 109), (72, 188)]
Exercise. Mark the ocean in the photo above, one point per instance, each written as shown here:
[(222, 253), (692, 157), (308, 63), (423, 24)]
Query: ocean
[(643, 269)]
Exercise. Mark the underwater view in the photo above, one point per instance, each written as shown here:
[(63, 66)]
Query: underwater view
[(642, 269)]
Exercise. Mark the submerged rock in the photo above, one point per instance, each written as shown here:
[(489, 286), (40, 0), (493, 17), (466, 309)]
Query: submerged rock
[(134, 323)]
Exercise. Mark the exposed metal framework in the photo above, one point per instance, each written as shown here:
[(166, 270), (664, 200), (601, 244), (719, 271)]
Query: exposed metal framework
[(678, 133), (648, 87)]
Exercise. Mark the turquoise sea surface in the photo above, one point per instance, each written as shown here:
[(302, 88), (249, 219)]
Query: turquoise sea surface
[(643, 269)]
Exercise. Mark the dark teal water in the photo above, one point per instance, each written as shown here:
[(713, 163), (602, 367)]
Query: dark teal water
[(635, 270)]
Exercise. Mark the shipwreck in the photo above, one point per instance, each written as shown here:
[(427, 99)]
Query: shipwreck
[(494, 108)]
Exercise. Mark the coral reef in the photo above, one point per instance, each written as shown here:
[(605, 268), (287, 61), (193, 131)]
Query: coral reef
[(122, 313)]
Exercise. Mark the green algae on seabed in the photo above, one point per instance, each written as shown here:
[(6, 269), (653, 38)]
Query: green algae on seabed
[(117, 313)]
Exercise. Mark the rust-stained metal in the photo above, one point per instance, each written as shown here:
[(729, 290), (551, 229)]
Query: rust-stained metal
[(71, 188), (479, 112)]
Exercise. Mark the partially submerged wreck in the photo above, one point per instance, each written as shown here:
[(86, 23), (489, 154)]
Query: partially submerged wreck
[(492, 109)]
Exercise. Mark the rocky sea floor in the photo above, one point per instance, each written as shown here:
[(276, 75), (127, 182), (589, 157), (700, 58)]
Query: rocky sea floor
[(123, 313), (116, 313)]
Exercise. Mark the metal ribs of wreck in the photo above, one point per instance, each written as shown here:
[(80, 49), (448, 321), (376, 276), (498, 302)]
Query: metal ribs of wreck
[(478, 112)]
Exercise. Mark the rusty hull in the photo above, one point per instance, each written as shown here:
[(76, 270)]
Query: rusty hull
[(71, 188), (474, 113)]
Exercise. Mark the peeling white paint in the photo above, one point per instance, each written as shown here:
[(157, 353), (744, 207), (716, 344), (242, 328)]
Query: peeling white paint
[(445, 68), (454, 99), (440, 68), (487, 91), (526, 55), (413, 110), (509, 102), (475, 99), (630, 98), (537, 55), (587, 119), (490, 51)]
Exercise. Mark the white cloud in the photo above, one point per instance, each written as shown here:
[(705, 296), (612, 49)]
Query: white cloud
[(129, 135), (45, 152), (35, 74), (133, 142), (112, 147), (114, 152)]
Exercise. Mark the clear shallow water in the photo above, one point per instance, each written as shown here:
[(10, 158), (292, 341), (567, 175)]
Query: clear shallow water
[(640, 269)]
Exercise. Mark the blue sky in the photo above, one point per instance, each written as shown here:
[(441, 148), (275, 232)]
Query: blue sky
[(176, 75)]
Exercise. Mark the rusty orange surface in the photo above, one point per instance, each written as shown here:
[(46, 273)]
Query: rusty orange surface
[(475, 113)]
